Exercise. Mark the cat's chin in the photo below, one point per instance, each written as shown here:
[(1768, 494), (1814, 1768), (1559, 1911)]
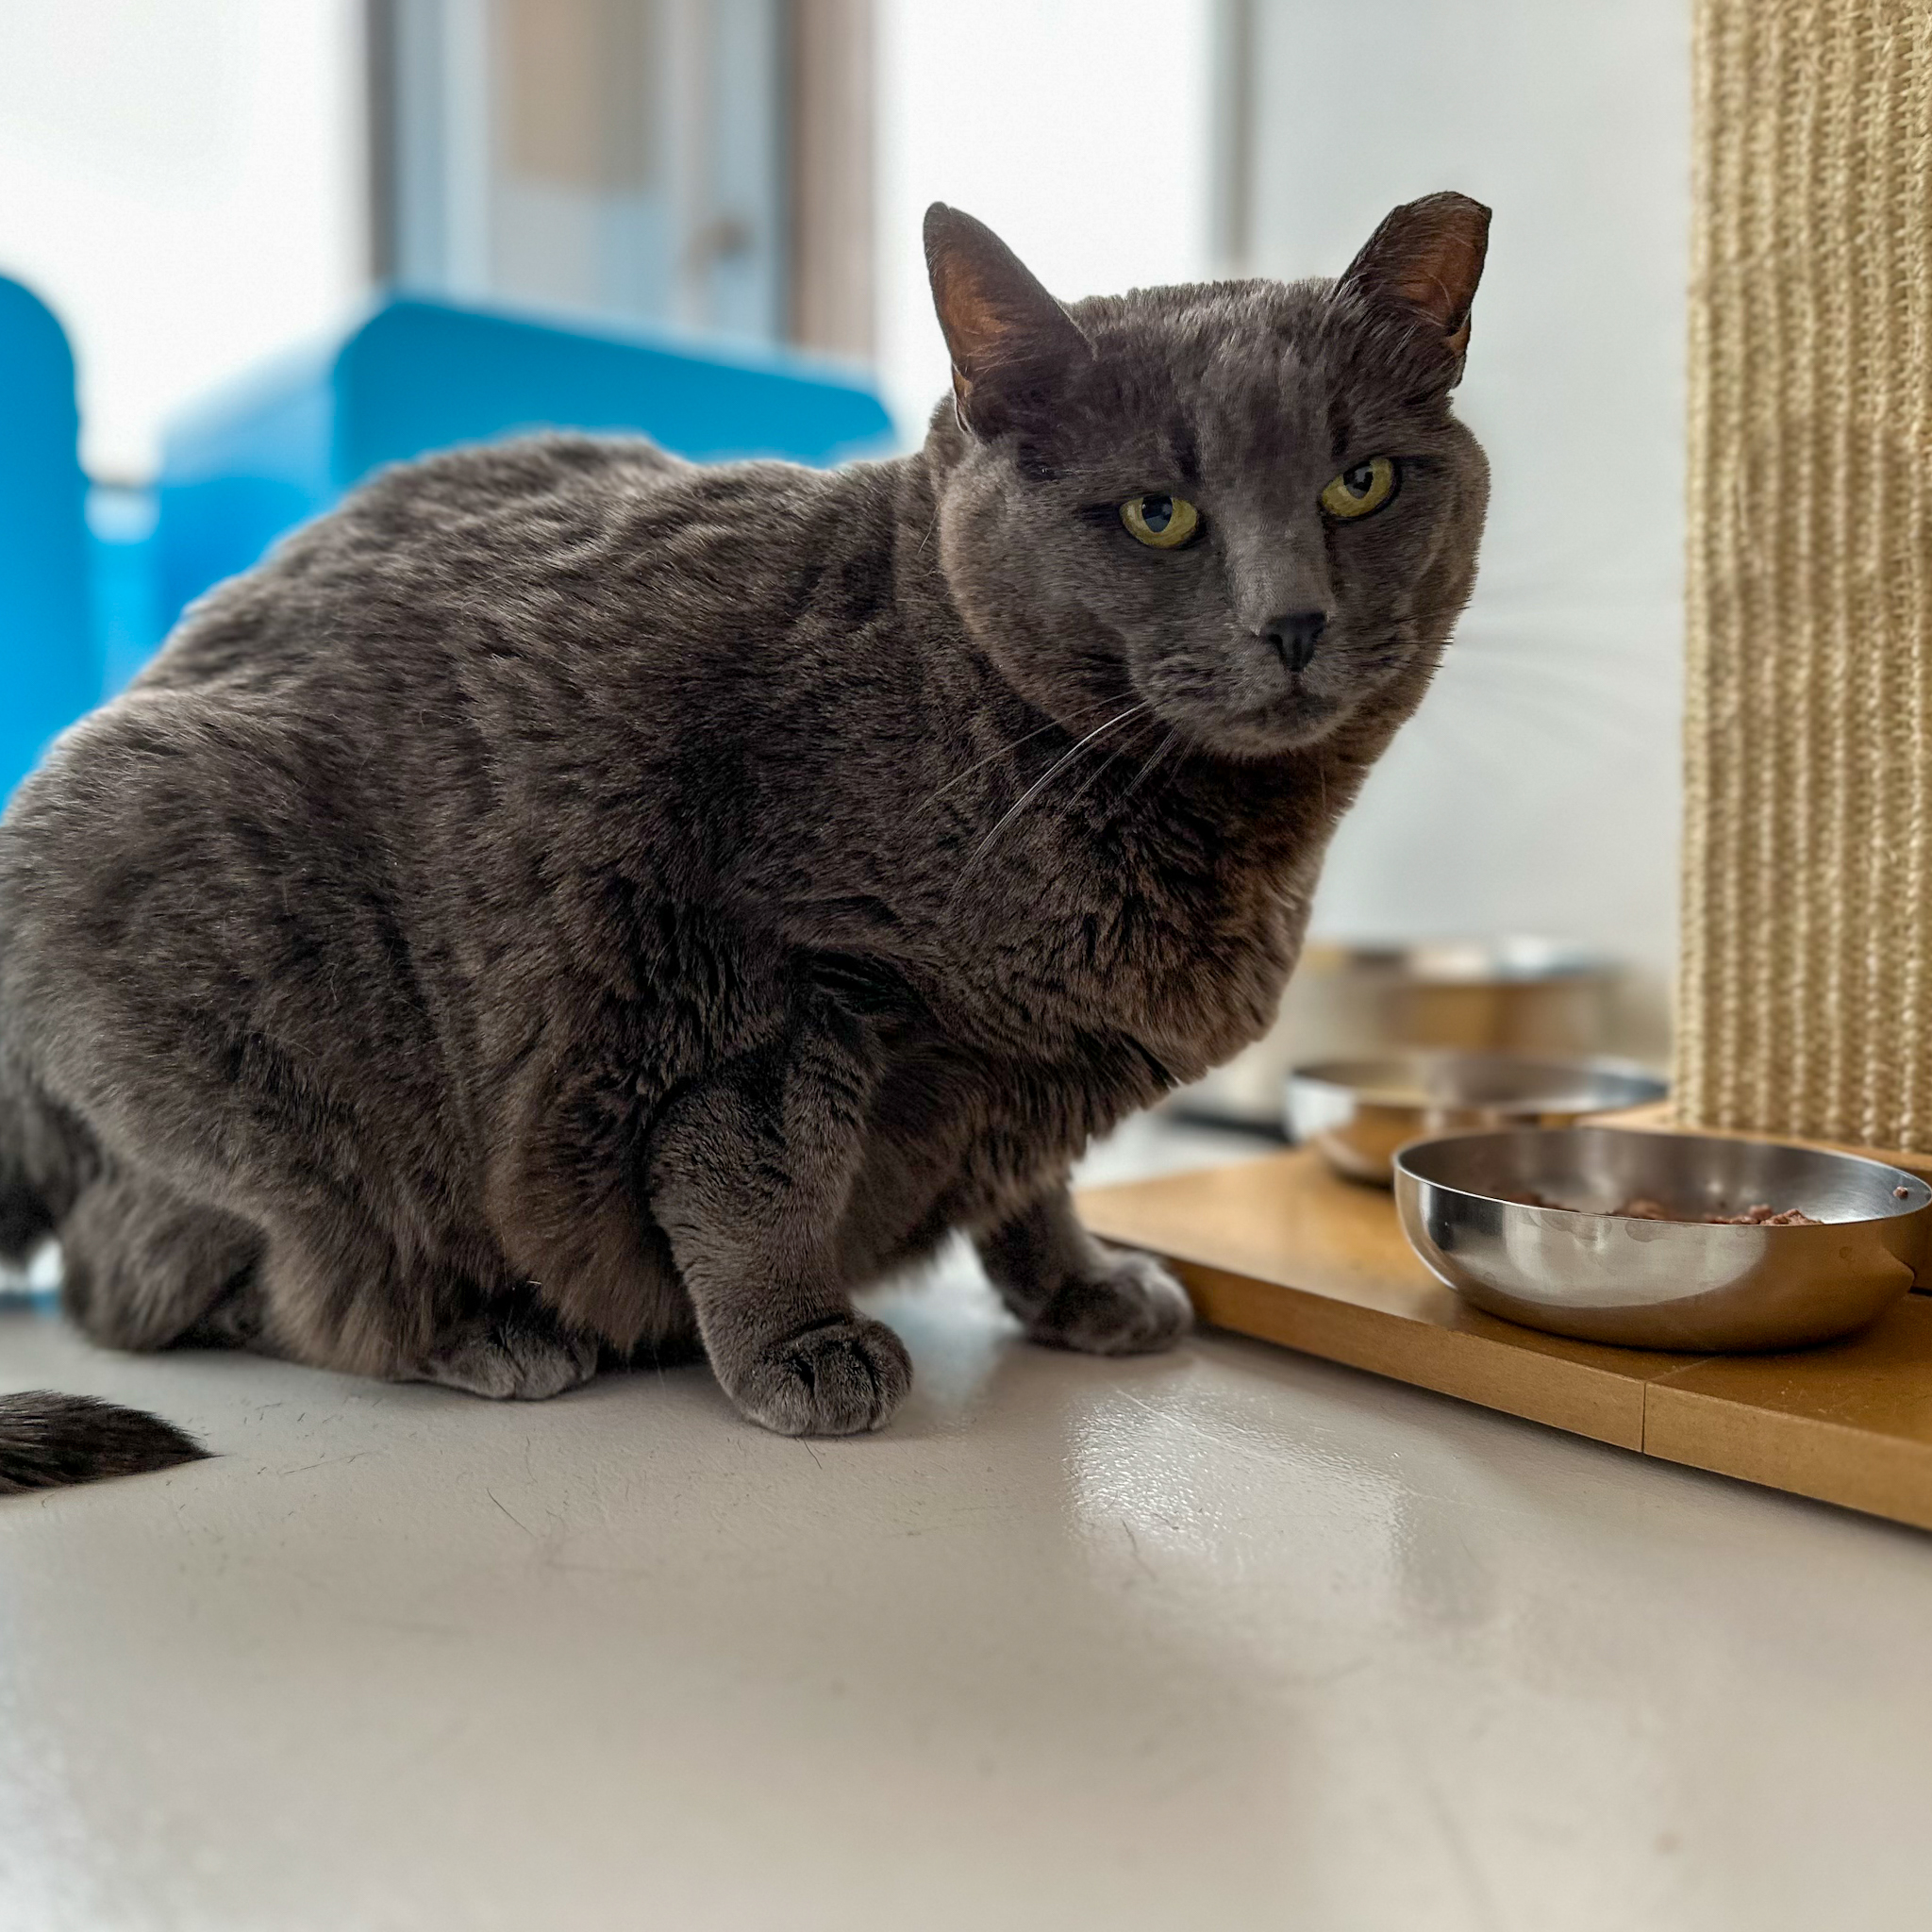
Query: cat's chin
[(1294, 723)]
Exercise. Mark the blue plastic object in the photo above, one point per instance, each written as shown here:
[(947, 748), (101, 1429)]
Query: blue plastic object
[(50, 669), (421, 374), (121, 528)]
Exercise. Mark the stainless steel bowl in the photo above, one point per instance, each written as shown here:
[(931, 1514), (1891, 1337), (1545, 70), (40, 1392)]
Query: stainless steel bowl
[(1604, 1277), (1516, 995), (1359, 1111)]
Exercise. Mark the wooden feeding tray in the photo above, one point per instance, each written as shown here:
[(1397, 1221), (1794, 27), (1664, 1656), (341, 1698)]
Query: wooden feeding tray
[(1282, 1249)]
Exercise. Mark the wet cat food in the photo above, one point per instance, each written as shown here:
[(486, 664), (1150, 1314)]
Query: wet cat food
[(1640, 1209)]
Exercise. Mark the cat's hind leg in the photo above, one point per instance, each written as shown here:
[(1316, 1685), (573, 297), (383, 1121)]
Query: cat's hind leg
[(46, 1159), (336, 1291), (143, 1267), (520, 1354)]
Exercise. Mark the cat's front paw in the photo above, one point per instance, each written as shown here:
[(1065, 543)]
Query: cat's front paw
[(839, 1377), (1132, 1306)]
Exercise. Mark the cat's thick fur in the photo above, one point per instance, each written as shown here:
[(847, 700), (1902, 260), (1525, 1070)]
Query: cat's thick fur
[(568, 906)]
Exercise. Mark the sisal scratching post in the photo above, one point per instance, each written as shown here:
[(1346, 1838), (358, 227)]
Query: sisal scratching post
[(1805, 1001)]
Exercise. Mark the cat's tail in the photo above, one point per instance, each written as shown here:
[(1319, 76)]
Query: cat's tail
[(47, 1441)]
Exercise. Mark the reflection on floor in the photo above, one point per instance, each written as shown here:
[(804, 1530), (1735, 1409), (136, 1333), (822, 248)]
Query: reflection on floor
[(1221, 1639)]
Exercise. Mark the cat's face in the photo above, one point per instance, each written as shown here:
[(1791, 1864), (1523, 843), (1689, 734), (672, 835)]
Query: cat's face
[(1245, 505)]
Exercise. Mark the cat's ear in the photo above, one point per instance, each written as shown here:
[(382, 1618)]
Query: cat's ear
[(1426, 258), (1012, 343)]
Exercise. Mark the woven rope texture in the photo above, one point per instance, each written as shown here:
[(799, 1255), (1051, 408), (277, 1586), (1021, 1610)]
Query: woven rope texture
[(1805, 1000)]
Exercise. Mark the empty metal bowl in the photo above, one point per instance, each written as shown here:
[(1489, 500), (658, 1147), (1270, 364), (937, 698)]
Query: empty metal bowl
[(1359, 1111), (1519, 996), (1680, 1284)]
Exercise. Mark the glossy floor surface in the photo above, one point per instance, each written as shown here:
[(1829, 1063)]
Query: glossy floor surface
[(1227, 1638)]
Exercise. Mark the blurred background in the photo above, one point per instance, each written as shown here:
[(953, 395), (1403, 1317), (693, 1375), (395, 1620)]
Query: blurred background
[(286, 240)]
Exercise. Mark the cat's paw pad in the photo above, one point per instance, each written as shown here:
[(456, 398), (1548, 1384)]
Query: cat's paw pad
[(838, 1378), (510, 1362), (1134, 1307)]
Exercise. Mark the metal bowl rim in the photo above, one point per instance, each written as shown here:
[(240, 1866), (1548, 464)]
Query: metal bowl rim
[(1520, 959), (1400, 1168), (1322, 1073)]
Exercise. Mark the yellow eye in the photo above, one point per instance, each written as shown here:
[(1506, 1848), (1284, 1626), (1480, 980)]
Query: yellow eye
[(1162, 523), (1357, 491)]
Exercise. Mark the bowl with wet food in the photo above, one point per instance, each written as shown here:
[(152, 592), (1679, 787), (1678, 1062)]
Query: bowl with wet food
[(1692, 1242), (1359, 1111)]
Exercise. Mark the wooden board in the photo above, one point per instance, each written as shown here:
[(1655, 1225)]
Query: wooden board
[(1282, 1249)]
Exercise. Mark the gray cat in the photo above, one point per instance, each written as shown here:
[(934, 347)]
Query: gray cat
[(570, 907)]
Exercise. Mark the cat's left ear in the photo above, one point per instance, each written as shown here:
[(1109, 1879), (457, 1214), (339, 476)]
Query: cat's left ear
[(1426, 258), (1012, 345)]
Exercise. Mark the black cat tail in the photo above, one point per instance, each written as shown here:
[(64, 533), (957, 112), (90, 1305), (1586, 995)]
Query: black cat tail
[(48, 1442)]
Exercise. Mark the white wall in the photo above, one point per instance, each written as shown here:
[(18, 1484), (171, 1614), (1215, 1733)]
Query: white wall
[(1538, 789), (1077, 129), (182, 182)]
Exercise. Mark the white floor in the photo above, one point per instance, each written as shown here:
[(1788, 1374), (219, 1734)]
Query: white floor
[(1226, 1639)]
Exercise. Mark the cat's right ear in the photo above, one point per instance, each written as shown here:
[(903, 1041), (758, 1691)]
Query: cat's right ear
[(1012, 345)]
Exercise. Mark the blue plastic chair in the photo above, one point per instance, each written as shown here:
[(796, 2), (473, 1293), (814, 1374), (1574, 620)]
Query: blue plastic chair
[(422, 375), (50, 670)]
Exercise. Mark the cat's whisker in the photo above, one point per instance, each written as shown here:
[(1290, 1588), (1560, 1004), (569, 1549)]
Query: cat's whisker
[(1099, 770), (1148, 769), (1020, 804), (960, 777), (931, 528)]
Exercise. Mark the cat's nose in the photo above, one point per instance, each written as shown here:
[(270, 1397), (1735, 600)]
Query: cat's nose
[(1295, 634)]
